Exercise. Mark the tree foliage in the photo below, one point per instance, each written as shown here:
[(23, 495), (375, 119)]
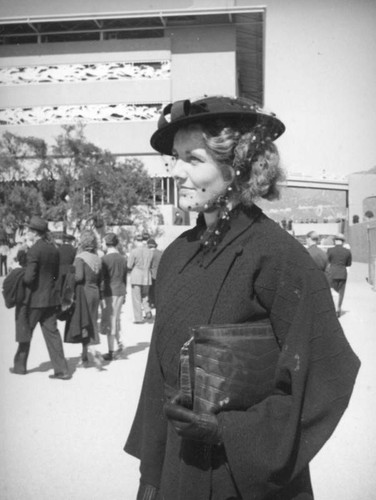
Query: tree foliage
[(76, 181)]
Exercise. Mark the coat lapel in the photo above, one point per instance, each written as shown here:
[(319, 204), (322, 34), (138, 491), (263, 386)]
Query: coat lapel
[(240, 221), (190, 245)]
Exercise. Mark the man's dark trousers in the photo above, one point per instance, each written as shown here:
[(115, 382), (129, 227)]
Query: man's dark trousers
[(48, 322)]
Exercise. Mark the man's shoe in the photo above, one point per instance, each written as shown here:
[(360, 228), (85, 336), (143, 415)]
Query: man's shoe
[(17, 371), (109, 356), (139, 322), (61, 376)]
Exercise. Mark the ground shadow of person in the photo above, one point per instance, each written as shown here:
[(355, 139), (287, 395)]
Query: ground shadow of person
[(43, 367), (96, 362), (125, 353)]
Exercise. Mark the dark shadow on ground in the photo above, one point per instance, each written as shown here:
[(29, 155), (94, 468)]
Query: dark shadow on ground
[(75, 362), (128, 351), (132, 349), (43, 367)]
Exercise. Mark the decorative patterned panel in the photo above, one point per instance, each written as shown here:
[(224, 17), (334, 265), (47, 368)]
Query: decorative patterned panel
[(84, 73), (72, 114)]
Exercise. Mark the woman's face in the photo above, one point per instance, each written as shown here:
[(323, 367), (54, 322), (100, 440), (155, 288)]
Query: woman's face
[(199, 179)]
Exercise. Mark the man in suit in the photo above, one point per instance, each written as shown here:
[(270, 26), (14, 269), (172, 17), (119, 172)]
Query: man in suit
[(319, 256), (67, 253), (139, 264), (114, 269), (339, 259), (157, 254), (41, 301)]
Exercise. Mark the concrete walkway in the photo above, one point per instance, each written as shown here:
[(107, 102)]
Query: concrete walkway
[(63, 439)]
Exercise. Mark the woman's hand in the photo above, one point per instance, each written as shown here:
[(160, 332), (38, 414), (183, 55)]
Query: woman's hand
[(188, 424)]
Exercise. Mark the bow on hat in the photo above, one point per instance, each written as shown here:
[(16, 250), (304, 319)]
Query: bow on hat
[(179, 109)]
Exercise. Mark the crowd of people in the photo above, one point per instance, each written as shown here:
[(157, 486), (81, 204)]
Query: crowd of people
[(82, 282)]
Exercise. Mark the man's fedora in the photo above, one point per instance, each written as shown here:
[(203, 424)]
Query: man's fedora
[(38, 224)]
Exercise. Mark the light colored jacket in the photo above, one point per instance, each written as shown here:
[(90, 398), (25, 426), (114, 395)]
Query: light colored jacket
[(139, 263)]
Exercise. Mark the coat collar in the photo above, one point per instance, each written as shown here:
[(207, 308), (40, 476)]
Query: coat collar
[(241, 218)]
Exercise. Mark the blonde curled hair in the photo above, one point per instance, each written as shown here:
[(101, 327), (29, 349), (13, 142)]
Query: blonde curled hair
[(247, 155), (88, 241)]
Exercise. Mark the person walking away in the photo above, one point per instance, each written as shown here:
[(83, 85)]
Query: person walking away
[(157, 254), (340, 258), (318, 255), (14, 294), (42, 300), (114, 269), (4, 253), (139, 264), (88, 273), (257, 415), (67, 253)]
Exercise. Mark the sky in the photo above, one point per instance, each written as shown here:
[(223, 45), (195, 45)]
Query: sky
[(320, 78)]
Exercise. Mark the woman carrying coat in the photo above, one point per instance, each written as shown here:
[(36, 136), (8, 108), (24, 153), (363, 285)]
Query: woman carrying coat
[(236, 267)]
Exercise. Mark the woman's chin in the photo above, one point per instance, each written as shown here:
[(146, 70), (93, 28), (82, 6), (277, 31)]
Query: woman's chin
[(186, 204)]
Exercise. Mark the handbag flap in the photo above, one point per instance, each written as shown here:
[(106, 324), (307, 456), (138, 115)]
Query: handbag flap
[(233, 364)]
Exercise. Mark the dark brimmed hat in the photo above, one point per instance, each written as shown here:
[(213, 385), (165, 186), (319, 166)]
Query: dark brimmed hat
[(313, 235), (182, 113), (38, 224), (111, 239), (339, 236), (152, 243)]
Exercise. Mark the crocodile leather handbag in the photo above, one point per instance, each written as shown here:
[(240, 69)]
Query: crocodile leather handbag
[(228, 367)]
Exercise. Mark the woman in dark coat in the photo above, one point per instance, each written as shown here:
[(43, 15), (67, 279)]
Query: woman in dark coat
[(236, 266), (88, 273)]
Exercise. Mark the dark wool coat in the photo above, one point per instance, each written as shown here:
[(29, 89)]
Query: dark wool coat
[(339, 258), (14, 288), (79, 326), (257, 271), (41, 274)]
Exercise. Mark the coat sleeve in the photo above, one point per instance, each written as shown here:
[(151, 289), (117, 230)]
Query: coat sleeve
[(130, 262), (79, 270), (268, 445), (32, 266), (100, 283), (349, 260), (147, 438), (125, 272)]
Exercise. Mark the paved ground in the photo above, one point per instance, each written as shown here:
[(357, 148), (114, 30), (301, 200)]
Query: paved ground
[(63, 439)]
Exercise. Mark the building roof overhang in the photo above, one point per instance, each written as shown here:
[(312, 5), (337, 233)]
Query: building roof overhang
[(164, 15), (249, 23)]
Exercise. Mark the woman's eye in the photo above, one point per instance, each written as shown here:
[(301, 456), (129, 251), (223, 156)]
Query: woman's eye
[(195, 160)]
